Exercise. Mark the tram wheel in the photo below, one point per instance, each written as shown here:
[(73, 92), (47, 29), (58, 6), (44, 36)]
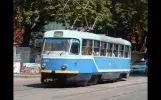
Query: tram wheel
[(42, 81), (114, 80), (119, 79), (93, 80), (85, 83)]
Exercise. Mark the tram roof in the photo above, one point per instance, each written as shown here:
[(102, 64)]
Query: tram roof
[(86, 35)]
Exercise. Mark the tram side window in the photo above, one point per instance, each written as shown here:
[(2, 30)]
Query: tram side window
[(121, 48), (109, 49), (87, 47), (96, 51), (116, 50), (129, 55), (126, 51), (103, 48), (75, 47)]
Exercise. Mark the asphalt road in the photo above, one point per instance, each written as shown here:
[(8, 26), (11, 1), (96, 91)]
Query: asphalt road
[(133, 88)]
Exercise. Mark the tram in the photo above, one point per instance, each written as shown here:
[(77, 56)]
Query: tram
[(84, 58)]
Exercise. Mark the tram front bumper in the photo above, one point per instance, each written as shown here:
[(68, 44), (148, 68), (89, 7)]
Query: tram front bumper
[(60, 71)]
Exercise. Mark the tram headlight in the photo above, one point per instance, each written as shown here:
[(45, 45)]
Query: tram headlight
[(64, 66), (43, 66)]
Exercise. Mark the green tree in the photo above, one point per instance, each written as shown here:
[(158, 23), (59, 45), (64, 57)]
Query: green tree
[(28, 16), (32, 15), (61, 11), (132, 14)]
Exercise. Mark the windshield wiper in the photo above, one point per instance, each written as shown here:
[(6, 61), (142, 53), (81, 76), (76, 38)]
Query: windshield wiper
[(61, 53), (48, 52)]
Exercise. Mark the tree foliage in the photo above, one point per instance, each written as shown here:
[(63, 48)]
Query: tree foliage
[(32, 15), (132, 14)]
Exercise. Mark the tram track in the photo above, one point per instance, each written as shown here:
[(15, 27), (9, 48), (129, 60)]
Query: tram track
[(63, 89), (60, 97), (41, 86), (108, 98)]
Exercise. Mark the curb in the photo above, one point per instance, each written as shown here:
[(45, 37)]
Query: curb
[(26, 76)]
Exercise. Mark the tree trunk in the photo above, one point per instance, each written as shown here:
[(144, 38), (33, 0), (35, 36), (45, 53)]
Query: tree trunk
[(26, 36)]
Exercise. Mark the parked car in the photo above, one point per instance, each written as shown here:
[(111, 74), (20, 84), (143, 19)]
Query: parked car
[(139, 67)]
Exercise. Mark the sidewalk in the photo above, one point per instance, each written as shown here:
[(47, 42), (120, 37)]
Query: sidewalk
[(27, 75)]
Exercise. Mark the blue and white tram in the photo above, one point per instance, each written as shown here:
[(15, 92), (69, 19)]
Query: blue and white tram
[(70, 56)]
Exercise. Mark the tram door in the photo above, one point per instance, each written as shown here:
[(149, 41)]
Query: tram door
[(75, 50)]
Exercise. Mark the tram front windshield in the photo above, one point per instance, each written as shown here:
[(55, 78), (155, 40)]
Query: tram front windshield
[(59, 46)]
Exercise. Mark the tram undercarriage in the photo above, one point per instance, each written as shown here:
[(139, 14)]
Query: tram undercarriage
[(83, 80)]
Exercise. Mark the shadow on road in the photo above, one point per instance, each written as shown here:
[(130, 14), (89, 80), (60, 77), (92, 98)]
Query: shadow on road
[(52, 85), (106, 82)]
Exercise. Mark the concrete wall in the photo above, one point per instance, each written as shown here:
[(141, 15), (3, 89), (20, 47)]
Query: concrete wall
[(25, 54), (26, 60)]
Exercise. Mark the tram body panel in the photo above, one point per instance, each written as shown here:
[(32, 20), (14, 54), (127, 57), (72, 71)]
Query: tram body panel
[(80, 67), (87, 67), (74, 64)]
